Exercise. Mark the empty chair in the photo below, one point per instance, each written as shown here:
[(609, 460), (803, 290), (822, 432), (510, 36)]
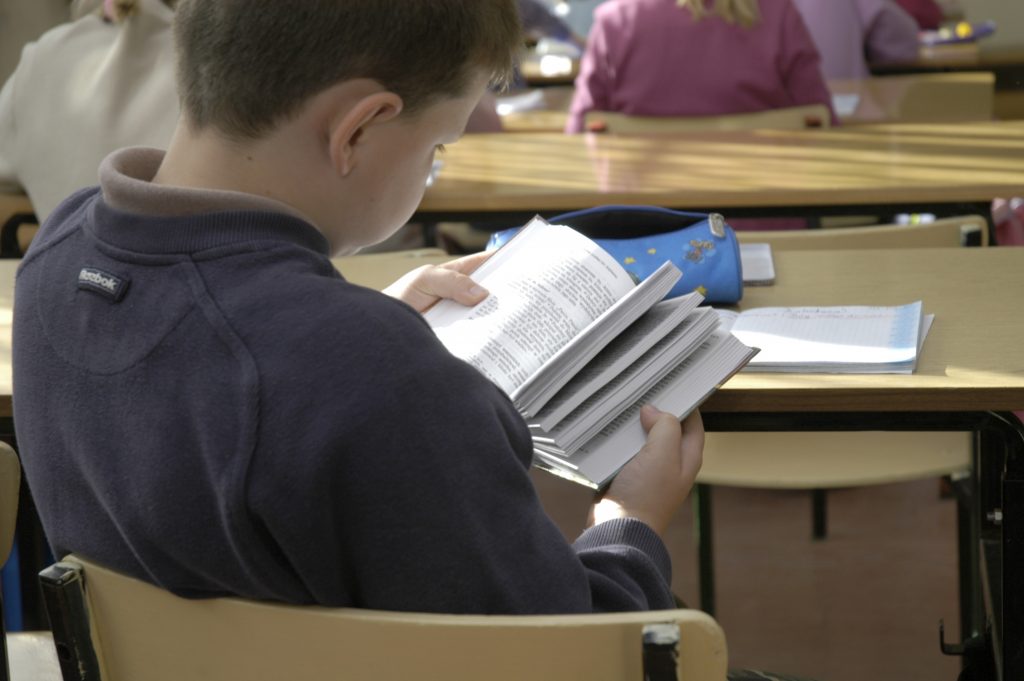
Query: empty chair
[(943, 97)]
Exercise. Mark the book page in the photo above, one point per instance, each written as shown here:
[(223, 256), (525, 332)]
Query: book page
[(535, 392), (546, 285), (594, 413), (678, 393), (640, 337)]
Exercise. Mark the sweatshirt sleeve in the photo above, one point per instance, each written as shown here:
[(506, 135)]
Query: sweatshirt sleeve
[(415, 495), (800, 65), (594, 82), (890, 34)]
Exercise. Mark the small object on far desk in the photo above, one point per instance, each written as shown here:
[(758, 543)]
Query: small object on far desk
[(845, 103), (435, 169), (758, 264), (836, 340), (961, 32)]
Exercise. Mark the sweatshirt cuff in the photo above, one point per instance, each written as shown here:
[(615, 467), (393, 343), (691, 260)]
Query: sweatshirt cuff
[(628, 532)]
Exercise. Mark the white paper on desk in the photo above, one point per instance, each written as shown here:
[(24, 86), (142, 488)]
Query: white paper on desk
[(435, 170), (852, 339), (757, 264), (528, 101), (845, 103)]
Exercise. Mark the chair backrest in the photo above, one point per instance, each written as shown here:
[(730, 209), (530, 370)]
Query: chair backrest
[(947, 232), (793, 118), (142, 632), (10, 482), (943, 97), (18, 224)]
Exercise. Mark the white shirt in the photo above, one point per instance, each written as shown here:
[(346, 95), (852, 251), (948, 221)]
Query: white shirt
[(81, 91)]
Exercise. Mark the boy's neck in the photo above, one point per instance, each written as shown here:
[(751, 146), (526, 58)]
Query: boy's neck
[(271, 168), (205, 160)]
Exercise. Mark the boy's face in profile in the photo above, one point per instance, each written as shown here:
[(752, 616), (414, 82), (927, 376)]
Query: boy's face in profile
[(397, 158)]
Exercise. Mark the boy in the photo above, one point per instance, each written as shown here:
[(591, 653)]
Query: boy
[(204, 403)]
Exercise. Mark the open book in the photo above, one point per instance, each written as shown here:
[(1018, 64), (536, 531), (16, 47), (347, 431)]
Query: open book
[(854, 339), (580, 347)]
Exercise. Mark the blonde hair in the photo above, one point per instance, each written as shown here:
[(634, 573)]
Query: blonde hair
[(742, 12)]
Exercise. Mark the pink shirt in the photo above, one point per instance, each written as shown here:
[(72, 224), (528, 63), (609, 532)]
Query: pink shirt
[(926, 13), (850, 34), (651, 58)]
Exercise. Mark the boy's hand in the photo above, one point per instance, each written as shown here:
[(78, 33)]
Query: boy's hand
[(426, 285), (658, 479)]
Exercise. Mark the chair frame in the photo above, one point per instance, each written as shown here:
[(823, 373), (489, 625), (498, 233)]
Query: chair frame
[(10, 481), (791, 118), (99, 633)]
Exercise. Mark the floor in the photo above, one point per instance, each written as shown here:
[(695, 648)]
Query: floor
[(865, 603)]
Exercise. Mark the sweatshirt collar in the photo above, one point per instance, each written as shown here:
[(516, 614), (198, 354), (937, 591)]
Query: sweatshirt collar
[(138, 215)]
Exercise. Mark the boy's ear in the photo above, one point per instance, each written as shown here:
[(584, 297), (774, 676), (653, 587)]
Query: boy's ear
[(347, 129)]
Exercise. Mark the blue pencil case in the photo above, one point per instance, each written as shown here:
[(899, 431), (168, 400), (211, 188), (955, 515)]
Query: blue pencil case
[(702, 246)]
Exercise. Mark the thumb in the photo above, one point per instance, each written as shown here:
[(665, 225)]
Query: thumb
[(662, 428), (650, 415), (445, 283)]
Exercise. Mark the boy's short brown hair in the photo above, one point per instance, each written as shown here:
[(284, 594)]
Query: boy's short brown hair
[(246, 65)]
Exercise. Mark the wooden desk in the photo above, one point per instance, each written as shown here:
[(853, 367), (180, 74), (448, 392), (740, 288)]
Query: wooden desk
[(550, 115), (971, 369), (938, 168), (972, 363), (973, 357)]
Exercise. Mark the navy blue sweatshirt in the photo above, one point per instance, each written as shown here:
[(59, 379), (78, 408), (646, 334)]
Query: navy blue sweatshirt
[(203, 402)]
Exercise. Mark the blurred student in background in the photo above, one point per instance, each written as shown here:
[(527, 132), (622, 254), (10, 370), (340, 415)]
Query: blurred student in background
[(102, 81), (851, 34), (85, 88), (691, 58)]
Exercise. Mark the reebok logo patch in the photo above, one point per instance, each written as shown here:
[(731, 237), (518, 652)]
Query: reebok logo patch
[(105, 283)]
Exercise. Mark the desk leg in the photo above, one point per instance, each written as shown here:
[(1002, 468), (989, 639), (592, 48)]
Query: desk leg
[(968, 533), (1010, 632), (705, 547)]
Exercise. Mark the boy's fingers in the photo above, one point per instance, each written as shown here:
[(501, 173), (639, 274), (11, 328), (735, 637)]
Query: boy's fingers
[(439, 282), (425, 285), (469, 263), (692, 445)]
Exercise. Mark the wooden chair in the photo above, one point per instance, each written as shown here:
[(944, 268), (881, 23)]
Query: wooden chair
[(820, 461), (948, 97), (112, 627), (10, 484), (793, 118), (18, 225), (968, 230)]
